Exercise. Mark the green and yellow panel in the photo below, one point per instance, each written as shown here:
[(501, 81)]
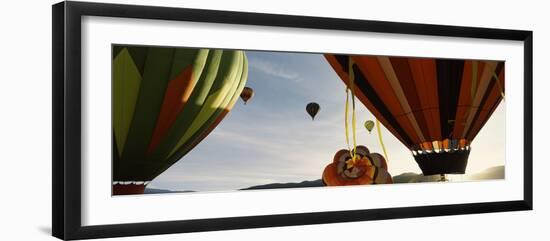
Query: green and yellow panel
[(165, 101)]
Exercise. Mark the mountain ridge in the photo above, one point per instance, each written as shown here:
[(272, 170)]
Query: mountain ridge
[(495, 172)]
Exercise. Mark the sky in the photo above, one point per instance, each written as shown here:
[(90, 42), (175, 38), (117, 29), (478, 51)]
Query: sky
[(272, 139)]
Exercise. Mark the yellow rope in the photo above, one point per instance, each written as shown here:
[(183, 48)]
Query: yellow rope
[(349, 163), (346, 120), (354, 119), (351, 85), (381, 141)]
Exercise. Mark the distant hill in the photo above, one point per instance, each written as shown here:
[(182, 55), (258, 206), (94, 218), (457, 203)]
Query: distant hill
[(158, 191), (314, 183), (496, 172), (411, 177)]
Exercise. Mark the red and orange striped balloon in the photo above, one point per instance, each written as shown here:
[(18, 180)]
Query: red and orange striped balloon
[(435, 107)]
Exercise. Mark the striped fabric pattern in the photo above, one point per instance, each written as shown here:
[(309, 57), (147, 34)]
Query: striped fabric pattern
[(165, 101), (426, 103)]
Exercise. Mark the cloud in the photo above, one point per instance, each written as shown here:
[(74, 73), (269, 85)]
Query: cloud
[(269, 68)]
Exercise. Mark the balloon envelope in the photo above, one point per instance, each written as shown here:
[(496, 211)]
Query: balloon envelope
[(369, 168), (369, 125), (165, 101), (435, 107), (312, 109), (247, 94)]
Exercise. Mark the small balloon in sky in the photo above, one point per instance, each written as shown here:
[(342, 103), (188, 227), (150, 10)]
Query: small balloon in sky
[(247, 94), (312, 109), (369, 125)]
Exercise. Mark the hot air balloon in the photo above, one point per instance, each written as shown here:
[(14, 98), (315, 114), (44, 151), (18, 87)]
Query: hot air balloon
[(368, 168), (247, 94), (312, 109), (435, 107), (369, 125), (165, 101)]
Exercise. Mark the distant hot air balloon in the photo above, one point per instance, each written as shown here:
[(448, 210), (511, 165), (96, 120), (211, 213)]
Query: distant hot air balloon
[(165, 101), (247, 94), (312, 109), (435, 107), (369, 125)]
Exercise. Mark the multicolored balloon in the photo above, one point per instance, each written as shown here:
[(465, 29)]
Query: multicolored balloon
[(165, 101), (367, 168), (247, 94), (435, 107)]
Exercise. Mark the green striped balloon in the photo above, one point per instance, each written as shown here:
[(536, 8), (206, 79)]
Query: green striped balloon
[(165, 101)]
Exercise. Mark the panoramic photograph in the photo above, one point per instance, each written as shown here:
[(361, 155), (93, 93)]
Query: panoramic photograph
[(190, 120)]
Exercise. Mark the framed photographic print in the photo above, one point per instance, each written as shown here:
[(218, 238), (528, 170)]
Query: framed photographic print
[(171, 120)]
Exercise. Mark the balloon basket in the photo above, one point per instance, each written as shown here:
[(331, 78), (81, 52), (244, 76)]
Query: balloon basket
[(434, 163), (128, 189)]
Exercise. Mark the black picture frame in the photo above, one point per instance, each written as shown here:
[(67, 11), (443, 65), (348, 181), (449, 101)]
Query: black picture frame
[(67, 136)]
